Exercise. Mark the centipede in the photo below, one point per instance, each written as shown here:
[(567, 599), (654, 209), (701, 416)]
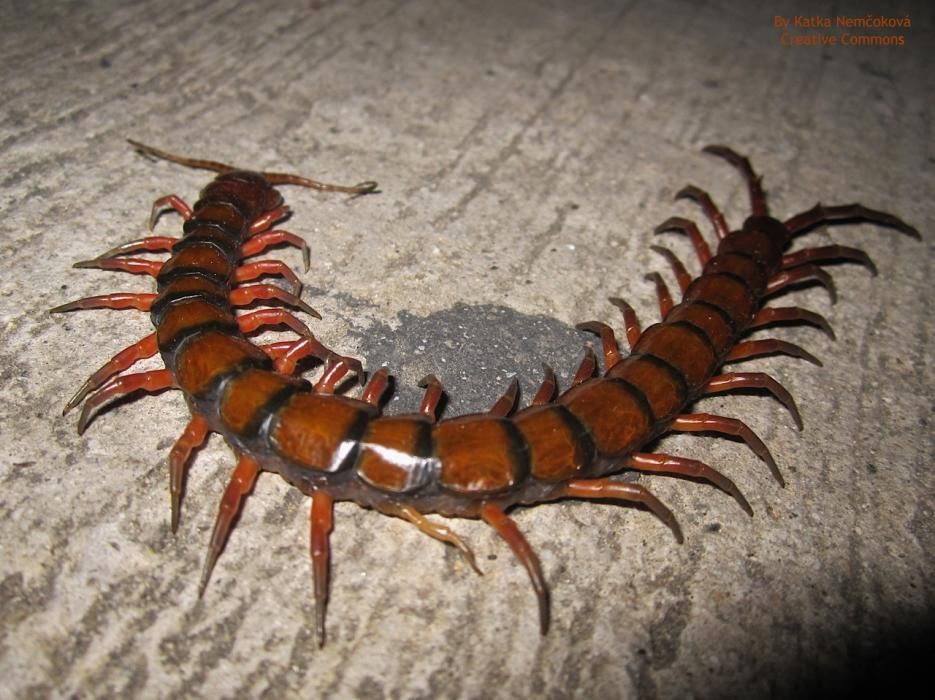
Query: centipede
[(572, 444)]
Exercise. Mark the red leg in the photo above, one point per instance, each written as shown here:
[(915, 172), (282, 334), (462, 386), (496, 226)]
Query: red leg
[(828, 253), (433, 394), (494, 516), (505, 404), (662, 293), (376, 387), (261, 241), (587, 367), (170, 201), (263, 222), (135, 266), (271, 317), (191, 439), (757, 199), (241, 483), (732, 381), (288, 353), (670, 464), (123, 360), (279, 349), (250, 271), (690, 229), (150, 382), (335, 372), (243, 296), (800, 223), (797, 275), (609, 344), (622, 491), (321, 518), (710, 208), (707, 423), (630, 321), (681, 274), (547, 389), (770, 315), (150, 244), (117, 300), (769, 346)]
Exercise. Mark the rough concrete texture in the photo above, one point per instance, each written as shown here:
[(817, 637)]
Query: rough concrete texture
[(525, 151)]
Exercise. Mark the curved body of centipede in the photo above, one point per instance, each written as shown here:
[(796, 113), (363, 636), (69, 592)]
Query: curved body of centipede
[(334, 447)]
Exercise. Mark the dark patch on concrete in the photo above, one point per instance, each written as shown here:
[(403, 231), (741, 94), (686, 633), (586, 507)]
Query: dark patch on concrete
[(474, 350), (869, 68), (665, 633)]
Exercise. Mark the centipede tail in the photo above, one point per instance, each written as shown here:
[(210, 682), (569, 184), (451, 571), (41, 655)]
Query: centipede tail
[(567, 444)]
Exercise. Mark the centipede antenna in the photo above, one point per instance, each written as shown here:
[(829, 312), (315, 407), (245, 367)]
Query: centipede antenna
[(366, 187), (196, 163)]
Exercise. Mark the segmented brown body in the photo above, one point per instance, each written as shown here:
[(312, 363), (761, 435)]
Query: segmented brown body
[(338, 448)]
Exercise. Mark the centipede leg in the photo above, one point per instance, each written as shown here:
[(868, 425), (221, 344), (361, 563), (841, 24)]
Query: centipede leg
[(769, 346), (671, 464), (287, 354), (690, 229), (170, 201), (733, 381), (828, 253), (150, 244), (150, 382), (678, 269), (770, 315), (135, 266), (253, 270), (494, 516), (622, 491), (262, 318), (754, 186), (336, 371), (243, 296), (321, 518), (797, 275), (819, 214), (117, 301), (609, 345), (263, 222), (262, 241), (587, 367), (147, 347), (376, 387), (547, 389), (630, 322), (433, 395), (240, 484), (506, 403), (662, 293), (192, 438), (710, 209), (437, 531), (722, 425)]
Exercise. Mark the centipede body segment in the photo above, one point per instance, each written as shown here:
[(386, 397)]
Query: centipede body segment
[(567, 444)]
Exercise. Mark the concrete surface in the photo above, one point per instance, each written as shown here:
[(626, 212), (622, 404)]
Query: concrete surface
[(525, 151)]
